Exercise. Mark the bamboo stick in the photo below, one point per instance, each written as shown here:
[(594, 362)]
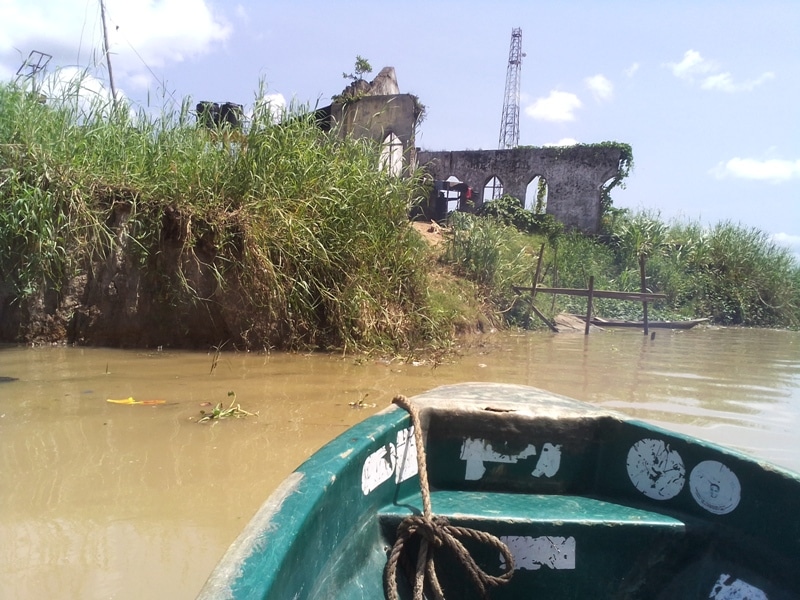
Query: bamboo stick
[(615, 295), (589, 305), (644, 291)]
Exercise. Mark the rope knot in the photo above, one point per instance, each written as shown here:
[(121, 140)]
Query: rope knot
[(437, 533), (430, 530)]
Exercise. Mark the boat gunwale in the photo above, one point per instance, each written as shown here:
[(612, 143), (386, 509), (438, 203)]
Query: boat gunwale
[(219, 584), (323, 467)]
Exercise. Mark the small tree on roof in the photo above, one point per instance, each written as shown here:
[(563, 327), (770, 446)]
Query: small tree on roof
[(362, 66)]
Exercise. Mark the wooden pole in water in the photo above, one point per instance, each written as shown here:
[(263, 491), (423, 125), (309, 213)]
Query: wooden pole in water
[(589, 305), (538, 272), (536, 311), (555, 278), (536, 281), (644, 290)]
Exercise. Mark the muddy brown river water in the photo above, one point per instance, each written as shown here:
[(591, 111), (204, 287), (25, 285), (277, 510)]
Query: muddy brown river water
[(102, 500)]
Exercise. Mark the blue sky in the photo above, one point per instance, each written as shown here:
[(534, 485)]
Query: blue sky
[(706, 93)]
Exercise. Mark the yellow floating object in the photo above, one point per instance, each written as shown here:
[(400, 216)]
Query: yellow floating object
[(132, 401)]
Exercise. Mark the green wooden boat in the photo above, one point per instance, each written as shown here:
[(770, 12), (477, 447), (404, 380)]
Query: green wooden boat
[(584, 502)]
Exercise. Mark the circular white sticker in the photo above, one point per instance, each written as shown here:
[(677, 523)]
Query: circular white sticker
[(715, 487), (655, 470)]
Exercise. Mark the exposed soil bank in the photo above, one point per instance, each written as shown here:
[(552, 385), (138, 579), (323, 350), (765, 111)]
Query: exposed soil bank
[(174, 299), (119, 302)]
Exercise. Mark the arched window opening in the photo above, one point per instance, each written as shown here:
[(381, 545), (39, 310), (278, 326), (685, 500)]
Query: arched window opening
[(536, 195), (605, 194), (392, 155), (493, 189)]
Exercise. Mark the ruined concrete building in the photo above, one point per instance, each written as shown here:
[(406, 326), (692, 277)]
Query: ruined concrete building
[(566, 182), (377, 110), (571, 178)]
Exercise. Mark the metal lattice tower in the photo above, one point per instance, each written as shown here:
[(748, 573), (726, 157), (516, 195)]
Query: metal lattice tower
[(509, 125)]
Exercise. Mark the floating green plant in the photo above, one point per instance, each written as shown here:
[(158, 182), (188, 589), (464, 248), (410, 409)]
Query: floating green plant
[(361, 403), (224, 413)]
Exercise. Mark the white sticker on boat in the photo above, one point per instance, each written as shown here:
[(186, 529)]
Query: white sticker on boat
[(533, 553), (406, 455), (730, 588), (549, 460), (478, 451), (655, 470), (378, 467), (715, 487), (398, 459)]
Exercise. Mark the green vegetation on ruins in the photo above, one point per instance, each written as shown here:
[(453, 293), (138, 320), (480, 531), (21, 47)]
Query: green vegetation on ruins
[(294, 238), (361, 67)]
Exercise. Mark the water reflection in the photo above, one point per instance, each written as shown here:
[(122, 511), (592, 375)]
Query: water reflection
[(112, 501)]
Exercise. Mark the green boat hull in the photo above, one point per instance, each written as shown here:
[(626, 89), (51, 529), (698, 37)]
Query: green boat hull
[(590, 503)]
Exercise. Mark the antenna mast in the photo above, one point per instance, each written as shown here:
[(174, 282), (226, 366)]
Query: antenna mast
[(509, 125), (36, 62)]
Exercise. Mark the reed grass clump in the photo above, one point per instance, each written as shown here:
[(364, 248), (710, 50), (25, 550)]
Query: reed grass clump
[(293, 236), (495, 256), (729, 272)]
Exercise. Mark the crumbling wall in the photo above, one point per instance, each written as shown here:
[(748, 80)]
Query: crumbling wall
[(384, 84), (575, 176), (375, 117), (374, 110)]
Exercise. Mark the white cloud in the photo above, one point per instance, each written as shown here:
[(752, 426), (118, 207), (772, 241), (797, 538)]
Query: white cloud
[(67, 82), (139, 81), (564, 142), (77, 89), (631, 71), (165, 31), (771, 170), (602, 89), (694, 66), (792, 242), (143, 36), (6, 73), (274, 104), (724, 82), (558, 106), (786, 239)]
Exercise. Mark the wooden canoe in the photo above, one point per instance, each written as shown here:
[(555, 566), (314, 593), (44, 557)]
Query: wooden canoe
[(687, 324), (590, 504)]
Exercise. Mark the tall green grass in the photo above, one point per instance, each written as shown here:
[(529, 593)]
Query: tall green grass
[(305, 238), (730, 273), (495, 256)]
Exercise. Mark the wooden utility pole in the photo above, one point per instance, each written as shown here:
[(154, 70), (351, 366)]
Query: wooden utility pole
[(108, 57)]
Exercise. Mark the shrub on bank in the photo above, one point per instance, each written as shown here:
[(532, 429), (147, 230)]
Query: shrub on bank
[(730, 273)]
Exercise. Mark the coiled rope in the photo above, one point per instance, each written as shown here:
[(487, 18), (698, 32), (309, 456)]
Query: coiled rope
[(436, 533)]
